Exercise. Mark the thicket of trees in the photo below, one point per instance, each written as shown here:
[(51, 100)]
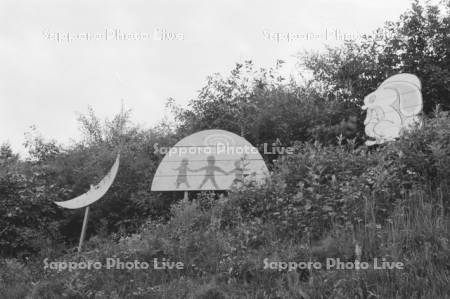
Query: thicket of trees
[(331, 194)]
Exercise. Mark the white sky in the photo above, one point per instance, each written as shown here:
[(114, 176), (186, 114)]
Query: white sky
[(45, 83)]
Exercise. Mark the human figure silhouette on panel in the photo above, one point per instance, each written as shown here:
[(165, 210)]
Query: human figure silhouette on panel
[(182, 173), (238, 172), (210, 169)]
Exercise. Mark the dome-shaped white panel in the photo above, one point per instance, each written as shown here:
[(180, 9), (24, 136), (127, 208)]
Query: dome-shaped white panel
[(209, 160)]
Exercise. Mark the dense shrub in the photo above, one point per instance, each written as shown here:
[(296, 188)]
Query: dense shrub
[(322, 201)]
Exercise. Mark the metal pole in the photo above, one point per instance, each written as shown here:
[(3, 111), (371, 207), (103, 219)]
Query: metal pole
[(83, 230)]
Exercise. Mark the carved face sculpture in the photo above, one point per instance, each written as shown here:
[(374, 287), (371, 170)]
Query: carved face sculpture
[(393, 108)]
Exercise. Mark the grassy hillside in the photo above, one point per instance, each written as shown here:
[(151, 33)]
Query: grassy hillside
[(321, 202)]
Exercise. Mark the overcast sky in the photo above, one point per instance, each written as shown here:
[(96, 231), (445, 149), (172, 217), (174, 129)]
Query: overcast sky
[(169, 49)]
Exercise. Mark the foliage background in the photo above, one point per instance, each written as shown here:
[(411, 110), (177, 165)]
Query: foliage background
[(332, 196)]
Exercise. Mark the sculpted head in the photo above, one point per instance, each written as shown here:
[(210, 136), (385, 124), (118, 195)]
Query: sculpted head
[(392, 108)]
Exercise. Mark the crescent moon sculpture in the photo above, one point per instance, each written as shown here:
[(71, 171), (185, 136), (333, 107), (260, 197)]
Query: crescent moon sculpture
[(95, 193)]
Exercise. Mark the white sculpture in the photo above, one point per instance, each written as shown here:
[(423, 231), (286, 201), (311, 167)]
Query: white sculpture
[(209, 160), (95, 193), (393, 108)]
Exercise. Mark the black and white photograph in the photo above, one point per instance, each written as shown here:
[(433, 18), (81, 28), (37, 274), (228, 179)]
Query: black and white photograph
[(224, 149)]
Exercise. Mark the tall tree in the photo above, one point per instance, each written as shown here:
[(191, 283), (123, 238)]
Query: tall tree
[(418, 43)]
